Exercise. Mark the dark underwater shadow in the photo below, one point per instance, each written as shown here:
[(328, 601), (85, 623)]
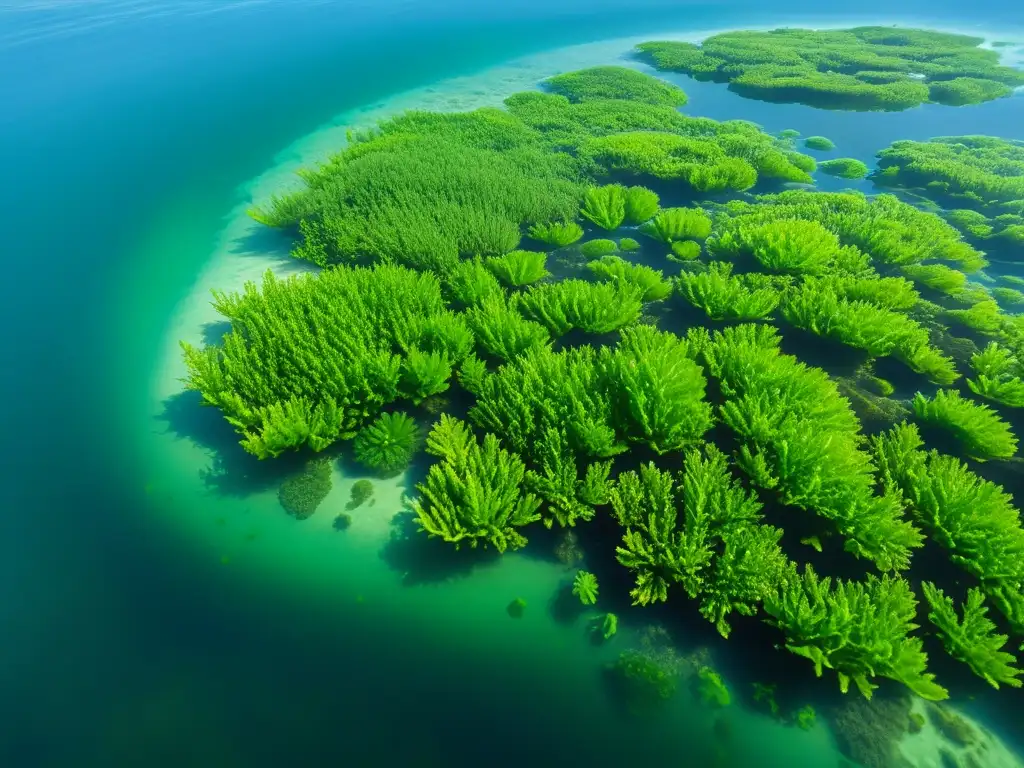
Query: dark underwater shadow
[(213, 333), (423, 560), (263, 241), (232, 471), (564, 607)]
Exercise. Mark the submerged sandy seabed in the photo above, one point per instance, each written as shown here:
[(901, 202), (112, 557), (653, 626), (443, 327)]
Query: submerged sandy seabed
[(250, 531)]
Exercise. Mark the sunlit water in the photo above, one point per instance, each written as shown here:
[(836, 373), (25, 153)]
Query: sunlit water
[(156, 615)]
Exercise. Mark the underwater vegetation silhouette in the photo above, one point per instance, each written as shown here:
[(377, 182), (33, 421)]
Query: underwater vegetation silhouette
[(663, 386)]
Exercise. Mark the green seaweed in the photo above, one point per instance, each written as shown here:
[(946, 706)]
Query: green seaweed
[(584, 586), (972, 639), (712, 688), (474, 493), (388, 444), (301, 494), (518, 268), (556, 234), (595, 249), (863, 68), (650, 282), (819, 143), (844, 168), (362, 491), (976, 427)]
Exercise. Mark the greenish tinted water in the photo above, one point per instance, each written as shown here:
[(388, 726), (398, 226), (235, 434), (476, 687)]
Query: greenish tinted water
[(154, 619)]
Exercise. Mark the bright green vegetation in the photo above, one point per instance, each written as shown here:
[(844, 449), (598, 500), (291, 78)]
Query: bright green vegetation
[(712, 688), (972, 639), (978, 429), (615, 83), (301, 494), (388, 443), (675, 224), (577, 305), (819, 143), (980, 173), (938, 277), (584, 586), (557, 234), (605, 206), (475, 492), (518, 268), (651, 283), (724, 296), (1011, 297), (606, 626), (844, 167), (979, 179), (863, 68), (362, 491), (595, 249), (357, 340), (971, 518), (593, 397), (806, 717), (641, 205), (676, 522), (999, 376), (828, 623), (685, 250)]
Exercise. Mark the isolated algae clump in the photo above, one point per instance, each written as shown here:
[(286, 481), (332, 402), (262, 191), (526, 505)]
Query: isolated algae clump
[(301, 494), (584, 586), (844, 167), (712, 688), (594, 249), (362, 491), (820, 143), (616, 83), (863, 68)]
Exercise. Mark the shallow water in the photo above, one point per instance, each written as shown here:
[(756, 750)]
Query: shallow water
[(152, 617)]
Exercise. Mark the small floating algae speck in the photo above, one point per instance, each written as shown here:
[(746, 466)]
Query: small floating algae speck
[(516, 608)]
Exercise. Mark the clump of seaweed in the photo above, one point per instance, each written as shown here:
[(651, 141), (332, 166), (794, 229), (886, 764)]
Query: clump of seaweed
[(388, 444), (362, 491), (863, 68), (301, 494), (557, 396), (584, 586)]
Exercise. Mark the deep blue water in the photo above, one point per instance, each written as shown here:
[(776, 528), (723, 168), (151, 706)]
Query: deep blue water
[(109, 111)]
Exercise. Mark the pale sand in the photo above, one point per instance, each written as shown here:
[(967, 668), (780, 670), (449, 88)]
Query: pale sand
[(925, 749)]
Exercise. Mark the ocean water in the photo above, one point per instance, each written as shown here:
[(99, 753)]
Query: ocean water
[(154, 614)]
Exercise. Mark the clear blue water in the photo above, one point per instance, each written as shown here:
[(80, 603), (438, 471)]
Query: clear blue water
[(118, 646)]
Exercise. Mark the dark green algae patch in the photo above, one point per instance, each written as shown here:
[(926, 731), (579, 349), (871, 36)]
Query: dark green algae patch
[(702, 410), (862, 68)]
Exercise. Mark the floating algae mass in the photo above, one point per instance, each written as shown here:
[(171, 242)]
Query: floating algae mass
[(699, 433), (863, 68)]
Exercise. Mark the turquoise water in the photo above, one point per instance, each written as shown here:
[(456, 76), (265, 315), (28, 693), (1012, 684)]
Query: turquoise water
[(150, 620)]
